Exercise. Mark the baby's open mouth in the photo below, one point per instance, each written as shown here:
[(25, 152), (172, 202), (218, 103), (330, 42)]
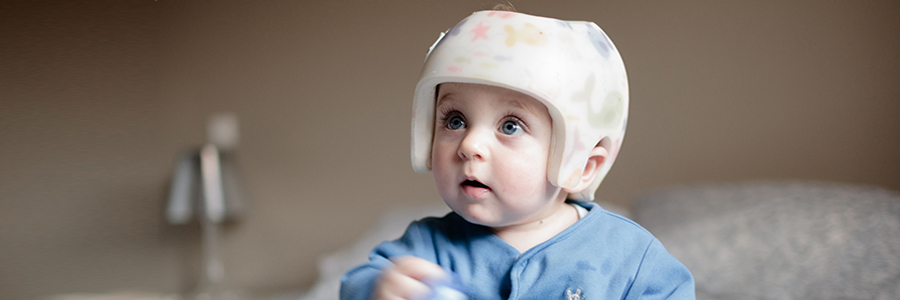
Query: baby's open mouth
[(474, 183), (474, 189)]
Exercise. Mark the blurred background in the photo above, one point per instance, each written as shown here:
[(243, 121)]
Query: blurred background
[(99, 98)]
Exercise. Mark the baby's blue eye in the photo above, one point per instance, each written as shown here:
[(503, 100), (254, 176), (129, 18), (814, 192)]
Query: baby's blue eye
[(510, 128), (456, 122)]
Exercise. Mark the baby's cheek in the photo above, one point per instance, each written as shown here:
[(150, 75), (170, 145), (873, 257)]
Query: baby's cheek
[(440, 177), (528, 177)]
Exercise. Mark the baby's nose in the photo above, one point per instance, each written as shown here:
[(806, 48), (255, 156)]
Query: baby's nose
[(474, 145)]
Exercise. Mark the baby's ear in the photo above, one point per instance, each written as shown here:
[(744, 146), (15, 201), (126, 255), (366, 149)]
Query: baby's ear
[(591, 169)]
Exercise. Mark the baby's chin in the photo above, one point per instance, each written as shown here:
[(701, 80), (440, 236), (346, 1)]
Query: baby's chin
[(478, 221), (483, 218)]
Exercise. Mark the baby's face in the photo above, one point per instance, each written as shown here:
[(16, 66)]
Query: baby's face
[(490, 152)]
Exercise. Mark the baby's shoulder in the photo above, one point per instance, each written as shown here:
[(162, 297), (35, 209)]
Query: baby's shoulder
[(605, 226)]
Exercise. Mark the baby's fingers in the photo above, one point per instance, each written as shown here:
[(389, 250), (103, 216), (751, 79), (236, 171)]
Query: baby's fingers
[(406, 279), (396, 285), (418, 268)]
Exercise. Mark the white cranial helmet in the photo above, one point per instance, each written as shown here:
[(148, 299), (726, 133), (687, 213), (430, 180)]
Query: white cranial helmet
[(569, 66)]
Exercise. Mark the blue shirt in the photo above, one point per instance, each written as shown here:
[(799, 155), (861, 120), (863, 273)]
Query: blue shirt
[(602, 256)]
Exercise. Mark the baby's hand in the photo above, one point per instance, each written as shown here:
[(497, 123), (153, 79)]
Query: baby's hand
[(406, 279)]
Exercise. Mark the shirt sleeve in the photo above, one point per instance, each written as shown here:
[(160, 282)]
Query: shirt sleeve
[(661, 276), (359, 282)]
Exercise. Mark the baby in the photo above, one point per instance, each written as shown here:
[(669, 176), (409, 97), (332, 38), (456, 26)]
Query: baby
[(519, 118)]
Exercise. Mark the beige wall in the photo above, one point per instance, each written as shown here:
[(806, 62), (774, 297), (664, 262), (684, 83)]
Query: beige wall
[(98, 98)]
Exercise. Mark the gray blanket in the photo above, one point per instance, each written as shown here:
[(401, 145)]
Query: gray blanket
[(780, 240)]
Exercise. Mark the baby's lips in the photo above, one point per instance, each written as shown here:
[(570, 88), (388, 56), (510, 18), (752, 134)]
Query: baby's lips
[(474, 182), (475, 192)]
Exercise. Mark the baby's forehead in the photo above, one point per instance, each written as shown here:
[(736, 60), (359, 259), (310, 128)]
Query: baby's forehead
[(464, 93)]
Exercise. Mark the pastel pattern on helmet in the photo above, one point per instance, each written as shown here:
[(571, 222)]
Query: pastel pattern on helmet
[(528, 34), (570, 66), (599, 40), (501, 14), (455, 30), (479, 31)]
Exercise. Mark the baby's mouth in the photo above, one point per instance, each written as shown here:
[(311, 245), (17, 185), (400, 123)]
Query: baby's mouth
[(474, 188), (474, 183)]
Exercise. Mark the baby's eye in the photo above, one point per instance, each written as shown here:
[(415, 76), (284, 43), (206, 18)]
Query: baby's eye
[(510, 127), (455, 122)]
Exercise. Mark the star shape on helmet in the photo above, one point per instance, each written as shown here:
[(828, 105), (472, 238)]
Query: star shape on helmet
[(480, 31)]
